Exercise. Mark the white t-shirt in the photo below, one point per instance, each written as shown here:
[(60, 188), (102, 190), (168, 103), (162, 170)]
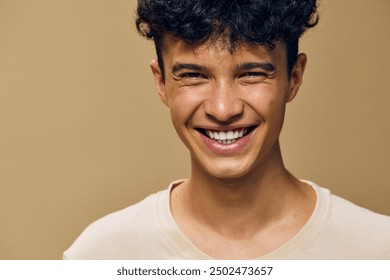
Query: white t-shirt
[(337, 229)]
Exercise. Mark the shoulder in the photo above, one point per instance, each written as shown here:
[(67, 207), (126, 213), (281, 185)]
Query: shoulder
[(355, 232), (345, 215), (349, 216), (128, 217), (110, 236), (344, 230)]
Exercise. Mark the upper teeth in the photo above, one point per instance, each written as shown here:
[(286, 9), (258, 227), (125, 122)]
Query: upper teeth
[(226, 137)]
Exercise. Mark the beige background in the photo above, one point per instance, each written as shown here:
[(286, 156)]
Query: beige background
[(82, 132)]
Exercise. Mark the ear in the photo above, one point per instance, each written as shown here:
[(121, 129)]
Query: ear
[(159, 81), (297, 76)]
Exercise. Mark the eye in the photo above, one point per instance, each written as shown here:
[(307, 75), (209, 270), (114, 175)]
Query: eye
[(253, 75), (192, 75), (191, 78)]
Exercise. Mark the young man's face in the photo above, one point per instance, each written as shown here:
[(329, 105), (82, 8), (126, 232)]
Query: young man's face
[(227, 108)]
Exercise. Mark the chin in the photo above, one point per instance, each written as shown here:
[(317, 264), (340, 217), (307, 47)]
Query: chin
[(228, 171)]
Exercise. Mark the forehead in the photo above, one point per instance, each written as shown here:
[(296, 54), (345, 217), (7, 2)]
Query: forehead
[(176, 49)]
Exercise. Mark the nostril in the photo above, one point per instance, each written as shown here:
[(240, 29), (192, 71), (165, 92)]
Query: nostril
[(225, 108)]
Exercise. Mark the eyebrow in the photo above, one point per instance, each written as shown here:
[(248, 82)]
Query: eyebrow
[(245, 66), (188, 66), (253, 65)]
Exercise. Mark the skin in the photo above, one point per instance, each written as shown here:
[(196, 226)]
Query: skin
[(240, 202)]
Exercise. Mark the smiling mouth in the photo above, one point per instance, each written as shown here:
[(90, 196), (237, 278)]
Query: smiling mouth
[(226, 137)]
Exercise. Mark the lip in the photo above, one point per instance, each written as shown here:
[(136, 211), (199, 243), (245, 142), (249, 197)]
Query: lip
[(224, 149), (225, 128)]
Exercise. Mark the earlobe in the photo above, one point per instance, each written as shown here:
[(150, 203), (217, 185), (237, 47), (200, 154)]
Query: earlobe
[(159, 81), (296, 76)]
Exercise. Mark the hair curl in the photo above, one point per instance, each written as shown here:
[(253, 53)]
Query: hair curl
[(233, 22)]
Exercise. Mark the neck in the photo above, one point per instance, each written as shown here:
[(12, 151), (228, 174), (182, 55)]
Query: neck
[(246, 217), (254, 200)]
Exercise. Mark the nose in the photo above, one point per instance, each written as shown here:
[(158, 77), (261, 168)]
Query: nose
[(223, 104)]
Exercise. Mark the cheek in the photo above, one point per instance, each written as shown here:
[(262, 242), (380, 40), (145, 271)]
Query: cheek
[(276, 114), (267, 102), (184, 103), (183, 107)]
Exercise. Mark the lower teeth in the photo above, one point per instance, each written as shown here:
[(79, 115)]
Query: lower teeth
[(227, 142)]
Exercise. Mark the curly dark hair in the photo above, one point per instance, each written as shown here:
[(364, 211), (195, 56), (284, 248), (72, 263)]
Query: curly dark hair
[(233, 22)]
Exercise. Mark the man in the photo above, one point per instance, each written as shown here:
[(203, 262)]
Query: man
[(226, 70)]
